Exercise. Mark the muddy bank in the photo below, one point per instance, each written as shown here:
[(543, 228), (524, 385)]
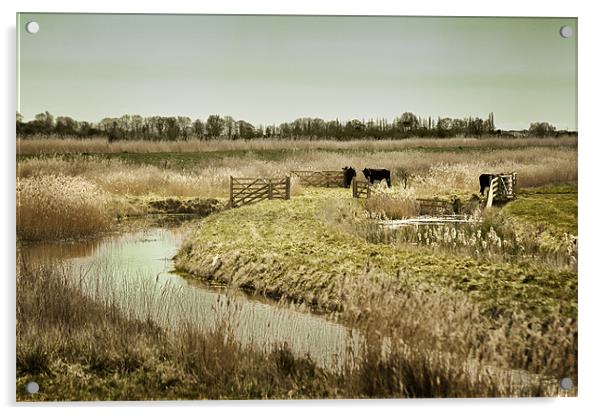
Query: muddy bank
[(197, 206)]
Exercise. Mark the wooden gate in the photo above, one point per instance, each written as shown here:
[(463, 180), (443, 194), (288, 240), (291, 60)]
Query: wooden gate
[(434, 207), (244, 191), (326, 178), (360, 188), (501, 187)]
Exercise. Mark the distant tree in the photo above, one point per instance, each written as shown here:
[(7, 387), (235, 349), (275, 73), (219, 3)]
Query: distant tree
[(43, 123), (318, 127), (137, 124), (355, 128), (172, 130), (475, 127), (20, 124), (489, 124), (286, 131), (184, 126), (214, 126), (245, 130), (269, 131), (45, 118), (66, 126), (229, 126), (198, 128), (541, 129), (445, 127), (408, 121), (459, 126)]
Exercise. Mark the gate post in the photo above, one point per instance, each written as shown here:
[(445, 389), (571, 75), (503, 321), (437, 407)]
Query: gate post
[(288, 187), (231, 192), (270, 189), (492, 191)]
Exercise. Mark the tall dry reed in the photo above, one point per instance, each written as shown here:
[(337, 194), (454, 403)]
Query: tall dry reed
[(58, 145), (59, 207), (80, 349), (433, 173)]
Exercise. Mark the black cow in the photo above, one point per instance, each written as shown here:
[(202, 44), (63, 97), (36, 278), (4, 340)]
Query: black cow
[(348, 175), (377, 174), (485, 181)]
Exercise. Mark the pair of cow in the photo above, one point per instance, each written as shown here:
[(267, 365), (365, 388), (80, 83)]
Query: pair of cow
[(371, 175)]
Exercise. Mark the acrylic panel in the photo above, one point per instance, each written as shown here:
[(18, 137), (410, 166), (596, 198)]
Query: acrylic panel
[(295, 207)]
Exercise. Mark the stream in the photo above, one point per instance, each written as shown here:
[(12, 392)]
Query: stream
[(134, 270)]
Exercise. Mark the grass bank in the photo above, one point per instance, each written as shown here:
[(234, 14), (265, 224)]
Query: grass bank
[(552, 208), (285, 249)]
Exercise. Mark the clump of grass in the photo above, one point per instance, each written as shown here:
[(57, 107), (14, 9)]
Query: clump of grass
[(392, 204), (494, 236), (59, 207)]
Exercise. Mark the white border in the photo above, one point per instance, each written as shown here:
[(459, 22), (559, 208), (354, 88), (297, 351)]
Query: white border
[(590, 138)]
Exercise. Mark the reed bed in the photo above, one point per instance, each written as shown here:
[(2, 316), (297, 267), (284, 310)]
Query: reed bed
[(391, 204), (61, 145), (59, 207), (433, 173)]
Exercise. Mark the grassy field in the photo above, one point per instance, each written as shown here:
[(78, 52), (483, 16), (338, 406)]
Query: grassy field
[(552, 207), (451, 305)]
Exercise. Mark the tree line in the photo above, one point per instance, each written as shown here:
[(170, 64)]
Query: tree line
[(159, 128)]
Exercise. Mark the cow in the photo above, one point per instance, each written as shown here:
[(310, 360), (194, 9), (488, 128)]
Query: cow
[(348, 175), (377, 174), (485, 181)]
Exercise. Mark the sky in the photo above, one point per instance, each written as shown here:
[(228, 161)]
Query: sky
[(272, 69)]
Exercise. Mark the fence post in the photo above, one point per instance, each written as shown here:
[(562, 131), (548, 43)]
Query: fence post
[(288, 187), (492, 191), (269, 189), (513, 183), (231, 192), (368, 190), (354, 187)]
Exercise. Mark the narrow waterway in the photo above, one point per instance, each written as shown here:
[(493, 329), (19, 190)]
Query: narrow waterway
[(135, 271)]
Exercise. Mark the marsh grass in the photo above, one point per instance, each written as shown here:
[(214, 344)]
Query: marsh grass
[(494, 236), (80, 349), (391, 204), (59, 207), (433, 173), (54, 145)]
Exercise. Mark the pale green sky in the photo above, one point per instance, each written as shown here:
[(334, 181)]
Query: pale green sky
[(271, 69)]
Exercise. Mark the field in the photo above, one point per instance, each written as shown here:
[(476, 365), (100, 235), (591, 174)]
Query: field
[(444, 311)]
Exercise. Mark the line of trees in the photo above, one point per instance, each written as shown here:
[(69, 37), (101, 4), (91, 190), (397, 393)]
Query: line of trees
[(156, 128)]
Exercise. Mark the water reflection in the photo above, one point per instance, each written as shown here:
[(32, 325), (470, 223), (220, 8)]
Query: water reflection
[(135, 271)]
